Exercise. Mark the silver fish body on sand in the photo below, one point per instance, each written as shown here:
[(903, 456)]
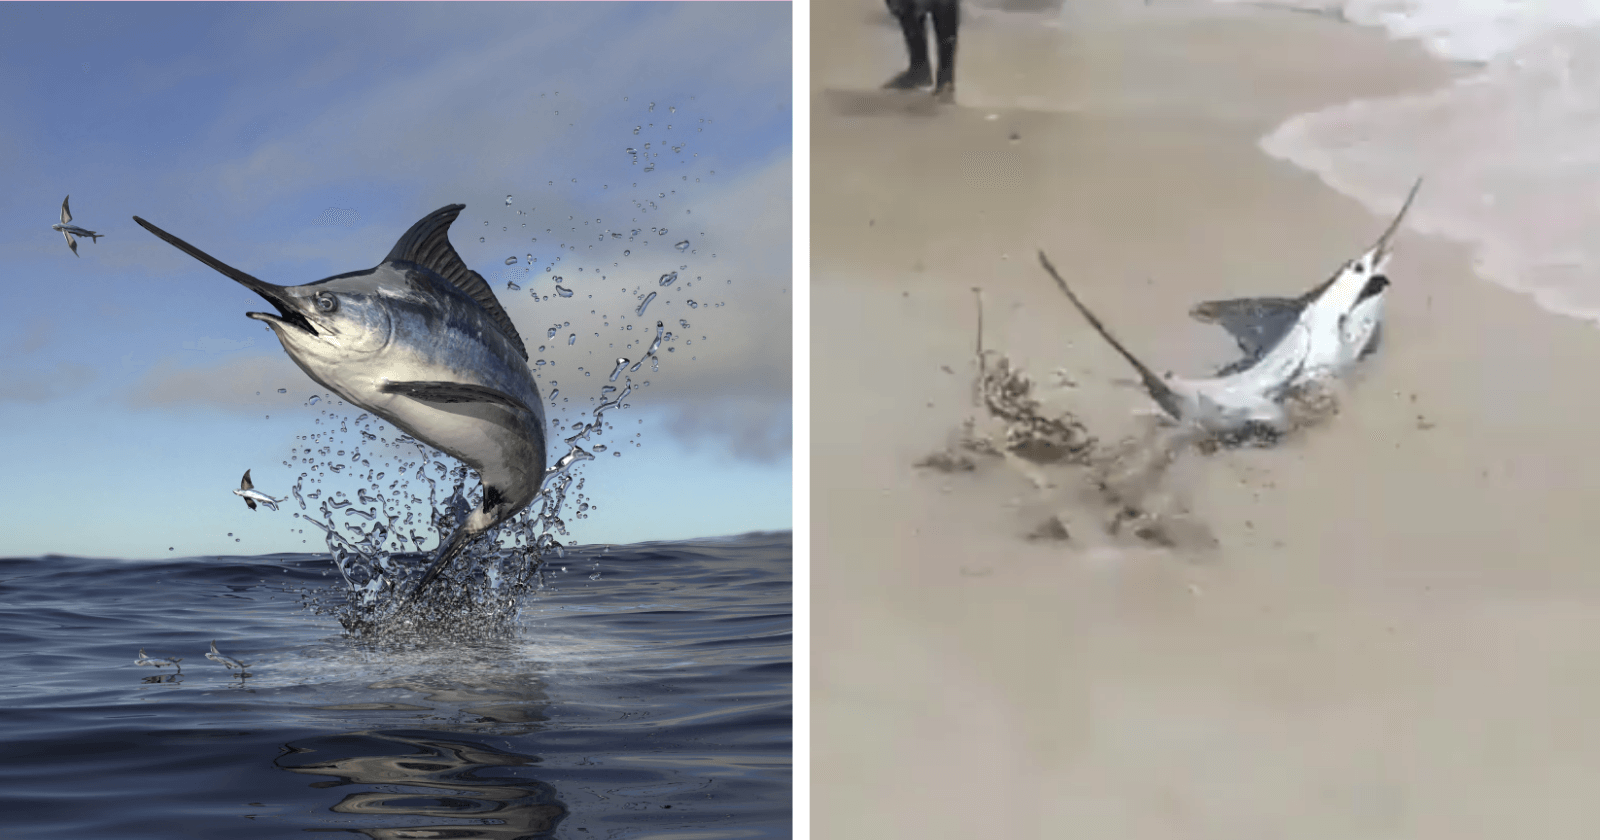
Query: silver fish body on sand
[(1344, 313), (421, 341), (69, 230), (251, 495), (1288, 344)]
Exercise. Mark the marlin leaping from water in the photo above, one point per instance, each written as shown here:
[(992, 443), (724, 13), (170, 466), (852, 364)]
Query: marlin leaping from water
[(68, 229), (420, 341), (252, 495)]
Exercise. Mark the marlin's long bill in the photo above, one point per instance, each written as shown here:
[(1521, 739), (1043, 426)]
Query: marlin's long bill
[(1383, 241), (227, 270), (1159, 390)]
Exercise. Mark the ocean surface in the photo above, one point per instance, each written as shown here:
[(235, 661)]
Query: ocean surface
[(646, 693)]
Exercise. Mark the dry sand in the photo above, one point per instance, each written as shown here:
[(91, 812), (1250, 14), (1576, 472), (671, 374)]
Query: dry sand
[(1397, 634)]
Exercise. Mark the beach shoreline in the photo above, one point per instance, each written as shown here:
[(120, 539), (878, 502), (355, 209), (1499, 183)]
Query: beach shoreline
[(1387, 620)]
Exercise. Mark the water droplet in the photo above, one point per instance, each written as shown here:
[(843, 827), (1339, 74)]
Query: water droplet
[(511, 260), (693, 305), (283, 390), (480, 239), (667, 279), (682, 246), (314, 400), (572, 339), (512, 286), (636, 129), (640, 310), (652, 106), (508, 201), (626, 252), (552, 332), (632, 151), (563, 291), (621, 363)]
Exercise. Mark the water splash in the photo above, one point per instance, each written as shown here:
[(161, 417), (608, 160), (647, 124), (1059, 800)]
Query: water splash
[(645, 303), (669, 278)]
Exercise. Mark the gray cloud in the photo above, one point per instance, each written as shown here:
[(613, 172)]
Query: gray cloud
[(232, 385), (38, 335), (746, 429), (20, 385)]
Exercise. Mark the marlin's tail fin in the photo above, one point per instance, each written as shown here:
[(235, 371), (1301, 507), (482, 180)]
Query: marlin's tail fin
[(452, 549), (1158, 390)]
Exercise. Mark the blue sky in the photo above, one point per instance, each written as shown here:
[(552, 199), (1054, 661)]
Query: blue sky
[(296, 141)]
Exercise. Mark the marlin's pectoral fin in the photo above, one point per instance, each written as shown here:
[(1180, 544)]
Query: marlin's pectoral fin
[(1255, 323), (251, 502), (452, 392)]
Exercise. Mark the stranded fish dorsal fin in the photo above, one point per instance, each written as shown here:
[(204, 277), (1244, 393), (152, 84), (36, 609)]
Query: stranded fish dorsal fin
[(427, 244), (1256, 324), (452, 392)]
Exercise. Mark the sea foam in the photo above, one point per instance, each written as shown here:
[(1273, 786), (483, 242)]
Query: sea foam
[(1511, 150)]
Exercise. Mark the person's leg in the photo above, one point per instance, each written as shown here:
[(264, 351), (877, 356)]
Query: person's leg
[(915, 29), (946, 19)]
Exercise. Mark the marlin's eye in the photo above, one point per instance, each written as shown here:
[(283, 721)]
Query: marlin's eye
[(326, 302)]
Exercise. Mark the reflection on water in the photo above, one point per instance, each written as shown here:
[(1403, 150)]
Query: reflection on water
[(461, 787)]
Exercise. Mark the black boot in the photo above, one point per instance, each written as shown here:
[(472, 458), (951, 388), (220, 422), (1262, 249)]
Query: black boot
[(919, 74), (946, 20)]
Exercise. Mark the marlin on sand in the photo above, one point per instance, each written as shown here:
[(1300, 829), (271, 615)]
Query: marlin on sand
[(421, 341), (1288, 344), (252, 495), (67, 229)]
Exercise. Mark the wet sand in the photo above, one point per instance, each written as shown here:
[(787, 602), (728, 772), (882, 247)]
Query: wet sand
[(1397, 632)]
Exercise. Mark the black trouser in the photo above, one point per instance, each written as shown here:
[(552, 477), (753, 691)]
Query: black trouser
[(946, 16)]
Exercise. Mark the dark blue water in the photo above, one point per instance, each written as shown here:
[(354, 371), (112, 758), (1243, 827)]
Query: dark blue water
[(653, 701)]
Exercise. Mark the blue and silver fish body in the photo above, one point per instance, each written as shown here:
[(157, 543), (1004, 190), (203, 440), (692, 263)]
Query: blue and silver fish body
[(69, 230), (421, 341), (252, 497), (223, 659), (158, 663)]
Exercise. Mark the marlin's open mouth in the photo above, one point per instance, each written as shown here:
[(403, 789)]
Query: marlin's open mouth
[(288, 313)]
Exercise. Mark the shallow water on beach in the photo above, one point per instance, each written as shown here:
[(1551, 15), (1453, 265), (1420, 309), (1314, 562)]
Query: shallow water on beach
[(648, 694), (1507, 148)]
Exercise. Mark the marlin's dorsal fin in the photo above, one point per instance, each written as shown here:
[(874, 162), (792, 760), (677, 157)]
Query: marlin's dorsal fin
[(427, 244), (1257, 324), (452, 392)]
